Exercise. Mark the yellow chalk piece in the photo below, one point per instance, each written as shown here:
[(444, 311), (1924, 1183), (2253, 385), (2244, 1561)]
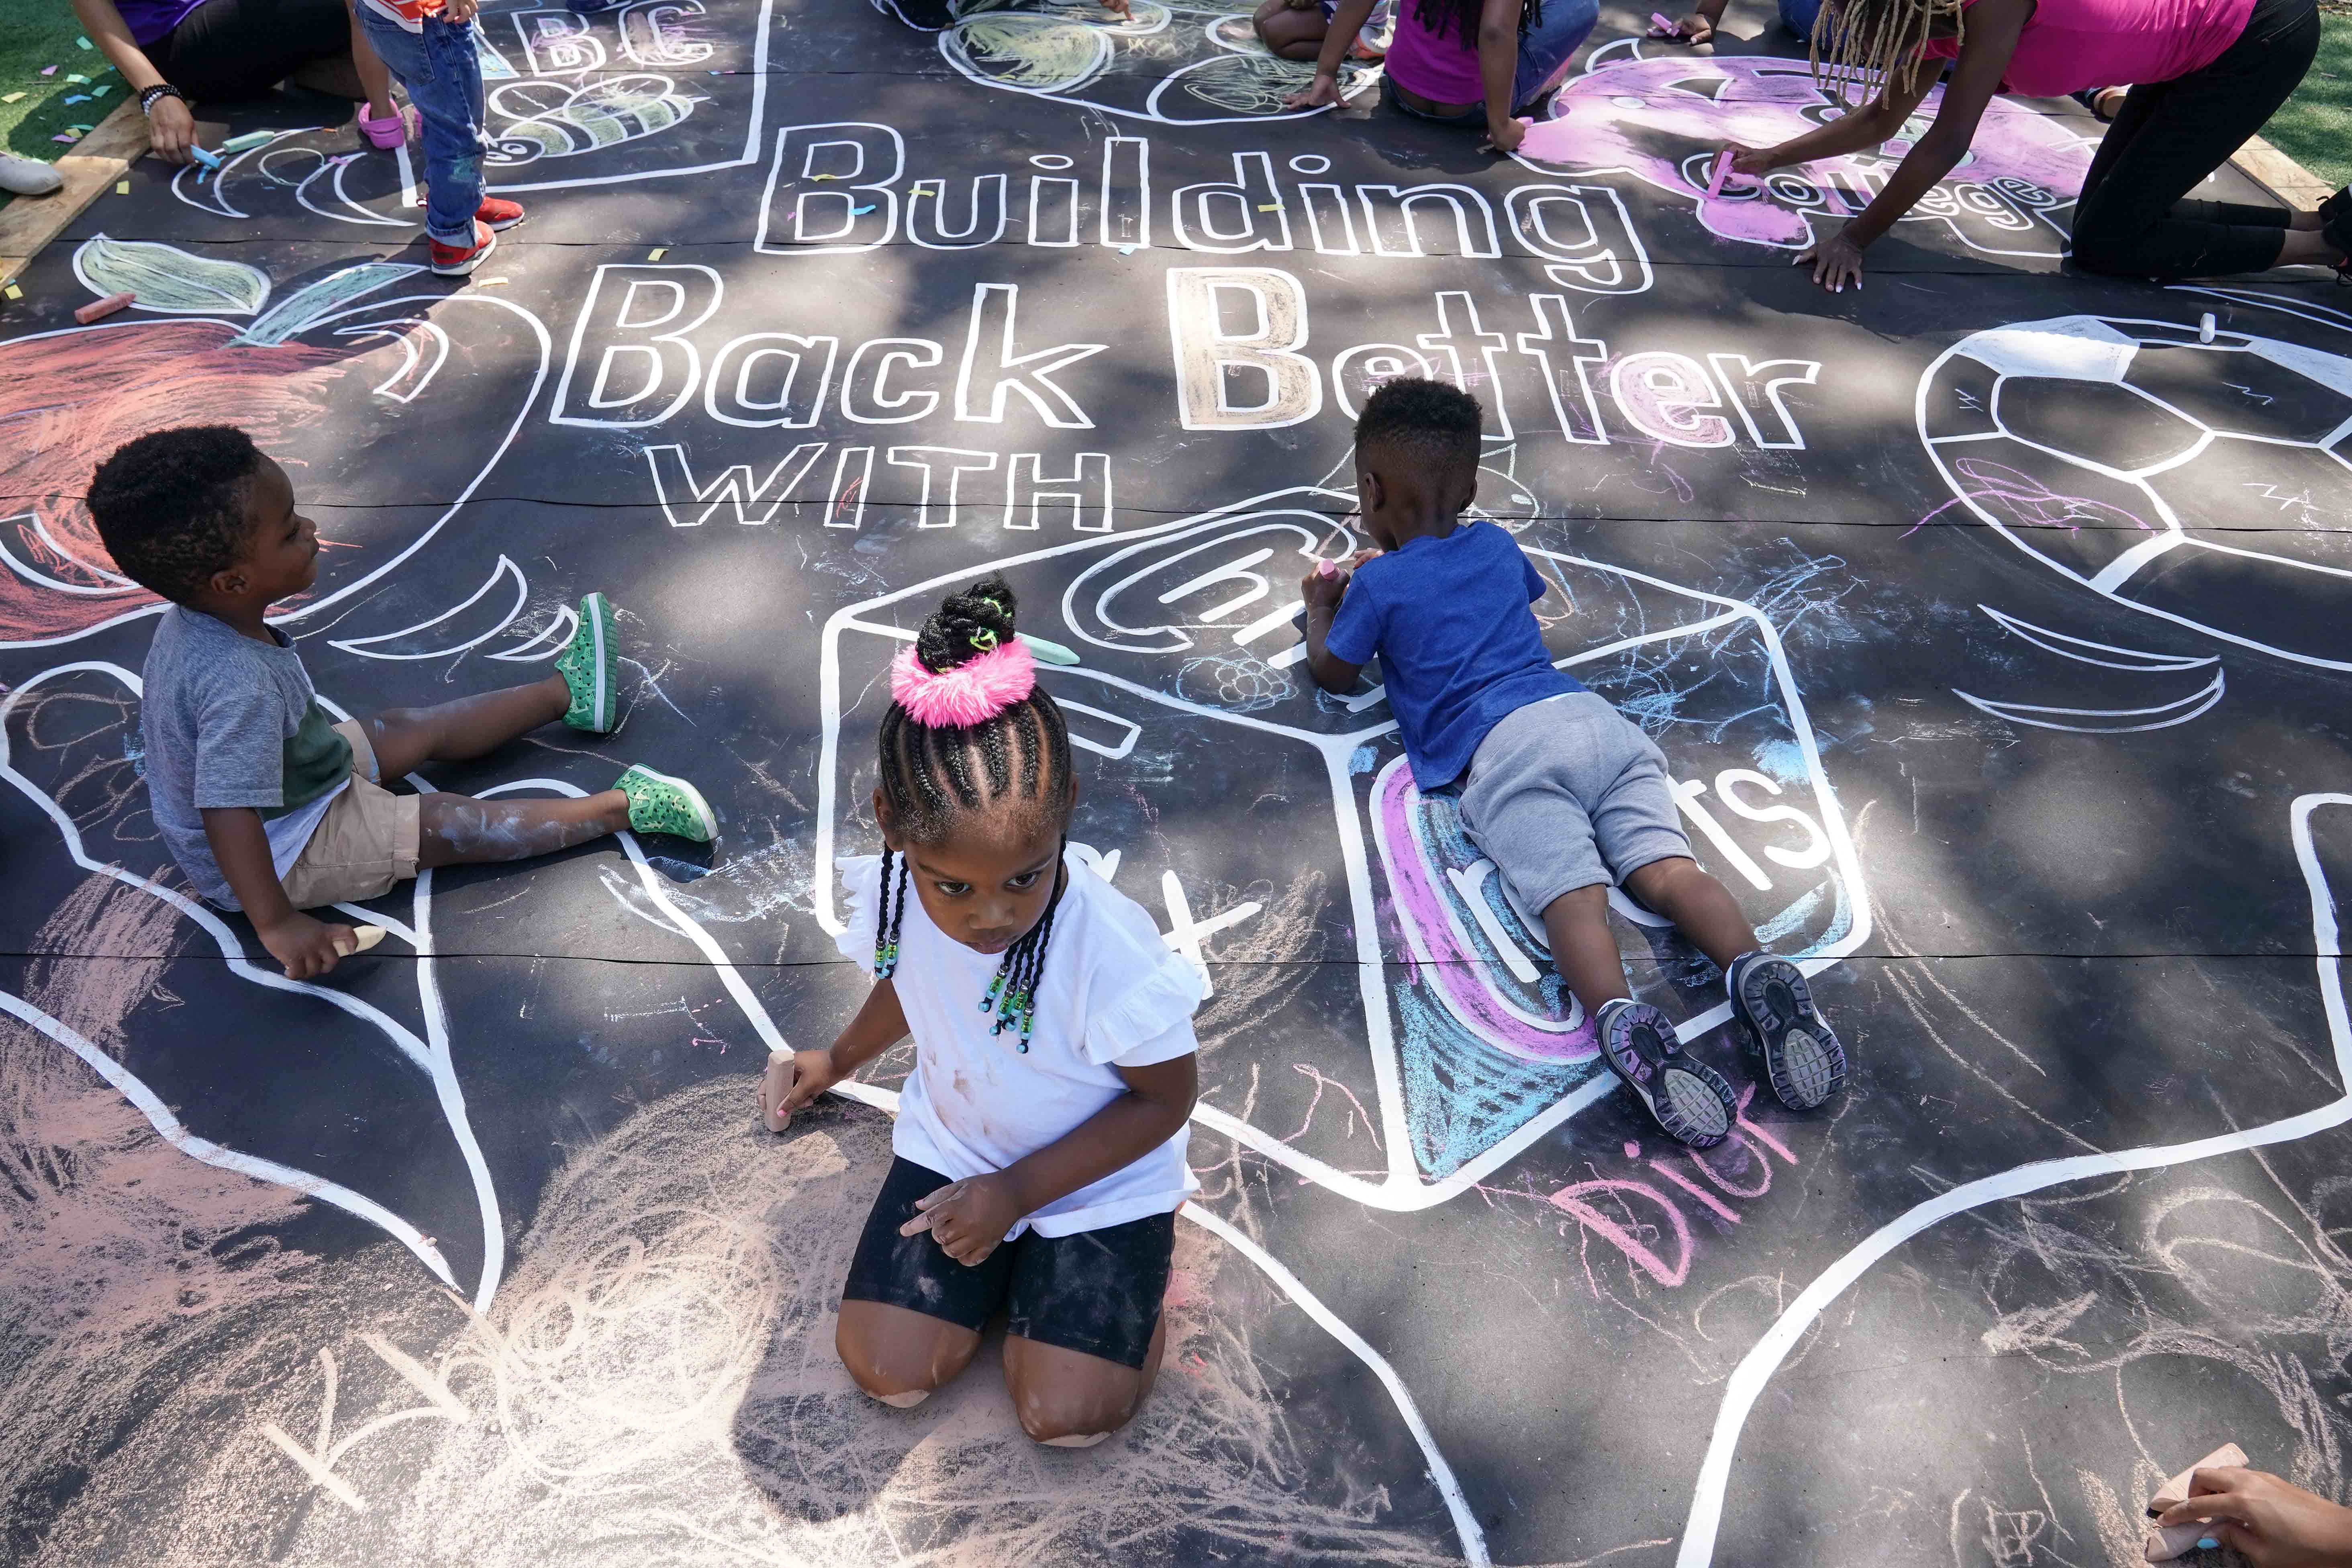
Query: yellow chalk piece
[(15, 293), (10, 96), (493, 283), (824, 176), (658, 252), (121, 187)]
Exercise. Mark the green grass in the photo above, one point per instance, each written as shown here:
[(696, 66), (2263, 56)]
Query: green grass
[(36, 33), (2314, 129)]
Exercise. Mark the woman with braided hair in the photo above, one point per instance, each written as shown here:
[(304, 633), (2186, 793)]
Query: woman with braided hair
[(1040, 1136), (2204, 75)]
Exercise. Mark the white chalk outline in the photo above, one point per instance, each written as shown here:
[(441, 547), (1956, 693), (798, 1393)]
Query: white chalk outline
[(1756, 1367), (366, 647), (2109, 582), (1404, 1188)]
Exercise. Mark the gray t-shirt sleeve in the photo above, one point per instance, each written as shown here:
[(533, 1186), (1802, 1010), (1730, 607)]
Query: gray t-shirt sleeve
[(240, 742)]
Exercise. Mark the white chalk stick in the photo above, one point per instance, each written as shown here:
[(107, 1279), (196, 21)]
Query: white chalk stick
[(2205, 328)]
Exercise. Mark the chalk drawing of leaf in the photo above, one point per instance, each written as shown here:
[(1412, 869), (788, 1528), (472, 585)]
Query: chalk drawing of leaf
[(167, 280)]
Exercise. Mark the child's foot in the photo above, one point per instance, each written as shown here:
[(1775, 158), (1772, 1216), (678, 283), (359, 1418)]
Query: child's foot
[(497, 212), (391, 130), (660, 804), (1803, 1059), (591, 667), (456, 260), (1689, 1097)]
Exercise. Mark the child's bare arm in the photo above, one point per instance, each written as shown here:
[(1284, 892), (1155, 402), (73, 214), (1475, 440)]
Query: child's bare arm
[(1322, 589), (880, 1024), (969, 1218), (1347, 19), (306, 947)]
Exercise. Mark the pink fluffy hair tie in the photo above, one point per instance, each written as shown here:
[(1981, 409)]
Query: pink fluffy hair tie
[(970, 693)]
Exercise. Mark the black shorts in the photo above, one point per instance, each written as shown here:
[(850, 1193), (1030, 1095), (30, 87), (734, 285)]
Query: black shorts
[(242, 48), (1097, 1292)]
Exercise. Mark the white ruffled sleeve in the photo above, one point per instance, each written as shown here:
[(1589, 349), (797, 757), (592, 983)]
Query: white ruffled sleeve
[(1152, 1020), (861, 879)]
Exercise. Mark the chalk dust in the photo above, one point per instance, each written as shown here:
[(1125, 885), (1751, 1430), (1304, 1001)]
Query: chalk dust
[(118, 1252), (655, 1385)]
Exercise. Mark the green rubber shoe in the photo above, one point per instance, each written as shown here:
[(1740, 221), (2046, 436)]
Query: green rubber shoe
[(591, 667), (660, 804)]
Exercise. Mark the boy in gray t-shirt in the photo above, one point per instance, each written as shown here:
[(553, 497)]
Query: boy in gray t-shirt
[(266, 802)]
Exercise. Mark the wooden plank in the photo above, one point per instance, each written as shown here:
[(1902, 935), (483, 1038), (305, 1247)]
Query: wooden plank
[(2280, 176), (90, 171)]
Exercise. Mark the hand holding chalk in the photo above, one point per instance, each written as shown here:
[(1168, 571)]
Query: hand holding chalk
[(1660, 28), (363, 938), (1715, 180), (775, 1090)]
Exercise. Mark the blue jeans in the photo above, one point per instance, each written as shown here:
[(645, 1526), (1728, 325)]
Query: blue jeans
[(1798, 16), (443, 79), (1545, 50)]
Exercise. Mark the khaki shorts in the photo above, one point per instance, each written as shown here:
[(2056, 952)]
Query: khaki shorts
[(367, 843)]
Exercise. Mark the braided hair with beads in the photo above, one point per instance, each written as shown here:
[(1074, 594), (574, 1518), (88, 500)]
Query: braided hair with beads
[(969, 728)]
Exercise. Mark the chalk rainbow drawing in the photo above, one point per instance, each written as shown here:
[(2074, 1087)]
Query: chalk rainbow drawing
[(552, 120), (1474, 1050), (1663, 119), (2096, 444), (1170, 63)]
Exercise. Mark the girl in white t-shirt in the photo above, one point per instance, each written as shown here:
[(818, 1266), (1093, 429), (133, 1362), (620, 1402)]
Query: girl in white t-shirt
[(1040, 1136)]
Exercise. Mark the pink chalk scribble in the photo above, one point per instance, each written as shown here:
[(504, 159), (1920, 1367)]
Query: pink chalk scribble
[(2026, 502), (1666, 120)]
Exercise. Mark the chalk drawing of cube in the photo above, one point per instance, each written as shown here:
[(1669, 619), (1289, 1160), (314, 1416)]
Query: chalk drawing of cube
[(1274, 828)]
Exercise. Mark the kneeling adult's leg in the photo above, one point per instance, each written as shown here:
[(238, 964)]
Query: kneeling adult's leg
[(2134, 218)]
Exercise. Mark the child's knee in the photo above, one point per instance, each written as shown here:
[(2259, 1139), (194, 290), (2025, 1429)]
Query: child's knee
[(1071, 1418), (900, 1368)]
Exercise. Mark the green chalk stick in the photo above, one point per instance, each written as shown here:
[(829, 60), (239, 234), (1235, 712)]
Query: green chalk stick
[(249, 139), (1050, 652)]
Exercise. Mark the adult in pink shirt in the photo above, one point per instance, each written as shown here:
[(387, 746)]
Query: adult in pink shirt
[(2204, 75)]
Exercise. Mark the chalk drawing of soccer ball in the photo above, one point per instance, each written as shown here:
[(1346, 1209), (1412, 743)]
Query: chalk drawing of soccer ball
[(1176, 64), (2201, 481)]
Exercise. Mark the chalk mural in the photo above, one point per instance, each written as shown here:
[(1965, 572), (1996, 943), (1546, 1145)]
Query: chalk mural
[(1834, 562), (1663, 119), (1170, 63)]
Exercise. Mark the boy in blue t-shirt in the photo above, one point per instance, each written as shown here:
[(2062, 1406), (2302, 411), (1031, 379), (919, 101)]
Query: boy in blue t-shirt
[(1562, 791)]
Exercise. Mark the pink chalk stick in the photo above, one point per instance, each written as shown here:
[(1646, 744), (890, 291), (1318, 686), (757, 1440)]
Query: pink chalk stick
[(98, 308), (1325, 569), (1714, 184), (1666, 28)]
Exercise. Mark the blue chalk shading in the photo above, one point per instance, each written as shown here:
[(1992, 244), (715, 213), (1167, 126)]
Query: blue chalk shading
[(1462, 1097), (1361, 758), (1782, 761), (861, 212)]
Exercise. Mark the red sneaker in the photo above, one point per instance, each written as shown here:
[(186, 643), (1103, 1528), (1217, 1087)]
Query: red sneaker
[(498, 214), (456, 260)]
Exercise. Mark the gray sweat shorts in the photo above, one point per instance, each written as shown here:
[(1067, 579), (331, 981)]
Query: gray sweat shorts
[(1567, 793)]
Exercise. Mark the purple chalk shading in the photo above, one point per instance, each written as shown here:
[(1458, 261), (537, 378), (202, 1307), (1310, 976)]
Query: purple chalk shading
[(1715, 182)]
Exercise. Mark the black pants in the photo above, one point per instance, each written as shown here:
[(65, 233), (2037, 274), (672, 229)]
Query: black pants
[(2132, 219), (242, 48)]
